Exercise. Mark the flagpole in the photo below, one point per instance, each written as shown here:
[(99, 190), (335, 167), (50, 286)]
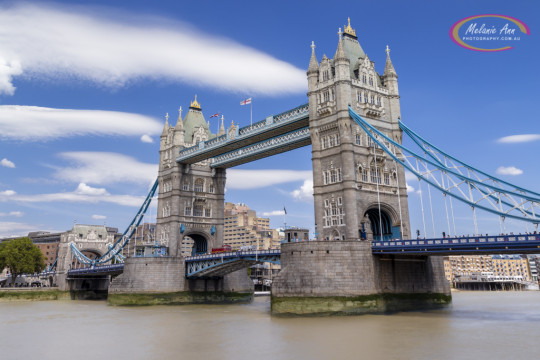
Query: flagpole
[(251, 112)]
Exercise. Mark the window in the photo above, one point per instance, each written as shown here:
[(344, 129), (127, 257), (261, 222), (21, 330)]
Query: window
[(325, 179), (326, 203), (339, 201), (185, 186), (370, 81), (332, 141), (373, 99), (323, 140), (375, 176), (211, 188), (364, 175), (339, 175), (207, 212), (333, 176), (198, 210), (364, 78), (199, 185), (358, 139), (326, 96), (365, 97), (379, 100), (325, 75), (358, 96), (386, 178), (187, 211)]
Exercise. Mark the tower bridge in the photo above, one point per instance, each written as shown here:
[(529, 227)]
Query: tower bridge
[(363, 259)]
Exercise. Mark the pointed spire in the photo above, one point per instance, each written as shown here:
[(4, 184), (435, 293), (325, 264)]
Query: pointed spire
[(222, 128), (179, 122), (313, 64), (166, 127), (389, 67), (340, 53)]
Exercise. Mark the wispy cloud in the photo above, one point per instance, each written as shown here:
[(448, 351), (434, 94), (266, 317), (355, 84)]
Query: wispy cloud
[(5, 162), (519, 138), (82, 194), (40, 123), (253, 179), (509, 170), (99, 217), (305, 192), (112, 48), (101, 168), (273, 213), (12, 229), (12, 213)]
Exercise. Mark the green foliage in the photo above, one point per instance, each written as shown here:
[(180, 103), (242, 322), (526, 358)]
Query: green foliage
[(21, 256)]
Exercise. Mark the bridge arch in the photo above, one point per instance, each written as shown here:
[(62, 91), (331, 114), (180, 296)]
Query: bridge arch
[(199, 243), (386, 220)]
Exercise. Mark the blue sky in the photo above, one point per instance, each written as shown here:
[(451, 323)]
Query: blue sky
[(85, 85)]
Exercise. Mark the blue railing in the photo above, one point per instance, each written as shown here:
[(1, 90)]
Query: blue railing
[(499, 244), (103, 269)]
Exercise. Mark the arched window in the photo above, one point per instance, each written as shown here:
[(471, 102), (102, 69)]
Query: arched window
[(199, 185)]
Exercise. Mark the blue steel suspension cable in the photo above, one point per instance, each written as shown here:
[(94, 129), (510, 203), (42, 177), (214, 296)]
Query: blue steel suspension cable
[(365, 126)]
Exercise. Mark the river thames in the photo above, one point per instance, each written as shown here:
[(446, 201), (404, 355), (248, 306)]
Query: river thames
[(479, 325)]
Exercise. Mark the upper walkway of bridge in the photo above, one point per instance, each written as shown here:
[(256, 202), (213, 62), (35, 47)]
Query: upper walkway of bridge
[(273, 135)]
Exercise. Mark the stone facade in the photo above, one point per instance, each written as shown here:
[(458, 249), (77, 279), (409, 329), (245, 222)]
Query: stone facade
[(191, 197), (351, 177)]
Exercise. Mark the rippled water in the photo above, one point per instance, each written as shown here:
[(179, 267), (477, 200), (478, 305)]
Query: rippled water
[(480, 325)]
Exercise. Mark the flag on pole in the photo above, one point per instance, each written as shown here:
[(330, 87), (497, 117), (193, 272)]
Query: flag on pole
[(245, 102), (215, 115), (285, 210)]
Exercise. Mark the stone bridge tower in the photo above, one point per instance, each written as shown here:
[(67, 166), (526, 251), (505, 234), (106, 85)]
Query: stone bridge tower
[(351, 176), (360, 196), (191, 197)]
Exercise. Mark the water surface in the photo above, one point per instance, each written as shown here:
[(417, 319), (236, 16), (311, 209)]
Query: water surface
[(480, 325)]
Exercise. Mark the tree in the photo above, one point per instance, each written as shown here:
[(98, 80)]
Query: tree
[(21, 256)]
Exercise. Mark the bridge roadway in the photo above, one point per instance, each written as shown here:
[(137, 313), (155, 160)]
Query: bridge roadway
[(216, 265), (274, 135)]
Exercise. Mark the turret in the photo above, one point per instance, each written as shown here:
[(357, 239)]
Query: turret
[(222, 128), (165, 131), (390, 75), (179, 130), (341, 62)]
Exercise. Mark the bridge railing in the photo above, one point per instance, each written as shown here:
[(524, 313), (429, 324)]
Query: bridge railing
[(457, 241), (96, 269), (233, 254)]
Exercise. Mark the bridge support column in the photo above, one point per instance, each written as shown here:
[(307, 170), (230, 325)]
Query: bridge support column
[(330, 277), (162, 281)]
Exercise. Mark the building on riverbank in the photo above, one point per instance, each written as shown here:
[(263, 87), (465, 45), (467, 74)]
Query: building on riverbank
[(504, 270)]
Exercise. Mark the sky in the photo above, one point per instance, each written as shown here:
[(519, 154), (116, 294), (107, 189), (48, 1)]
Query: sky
[(85, 86)]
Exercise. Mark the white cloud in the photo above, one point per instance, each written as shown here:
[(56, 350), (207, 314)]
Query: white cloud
[(274, 213), (12, 213), (99, 217), (147, 139), (305, 193), (510, 170), (40, 123), (410, 177), (12, 229), (112, 48), (5, 162), (7, 193), (83, 194), (519, 138), (105, 168), (84, 189), (410, 189), (7, 71), (253, 179)]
